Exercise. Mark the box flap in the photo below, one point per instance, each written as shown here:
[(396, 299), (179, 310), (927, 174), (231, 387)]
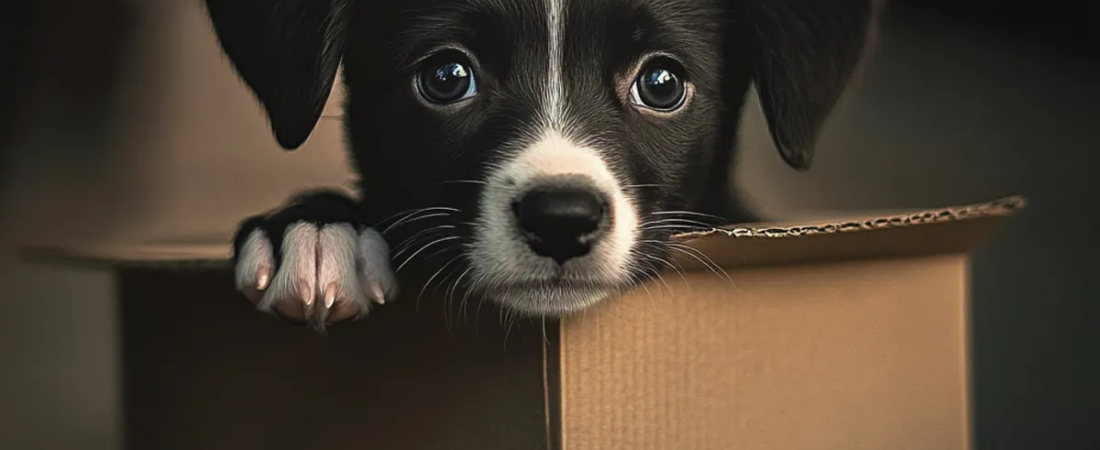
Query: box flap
[(949, 230), (859, 236)]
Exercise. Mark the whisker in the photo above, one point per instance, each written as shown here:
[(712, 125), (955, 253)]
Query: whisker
[(545, 338), (710, 264), (691, 214), (480, 303), (674, 227), (437, 241), (409, 212), (671, 264), (636, 281), (450, 295), (703, 259), (432, 278), (478, 182), (448, 320), (450, 275), (676, 220), (414, 217), (399, 214), (420, 233), (657, 273), (648, 293), (441, 251), (507, 321), (406, 247)]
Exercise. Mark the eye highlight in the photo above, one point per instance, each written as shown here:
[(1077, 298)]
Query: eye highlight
[(446, 77), (660, 85)]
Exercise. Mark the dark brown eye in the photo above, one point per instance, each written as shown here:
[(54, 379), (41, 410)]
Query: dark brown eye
[(446, 77), (659, 86)]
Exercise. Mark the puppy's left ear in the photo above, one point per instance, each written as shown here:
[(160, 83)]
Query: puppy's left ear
[(287, 52), (802, 54)]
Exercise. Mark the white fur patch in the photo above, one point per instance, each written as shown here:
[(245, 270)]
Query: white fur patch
[(500, 257), (324, 269)]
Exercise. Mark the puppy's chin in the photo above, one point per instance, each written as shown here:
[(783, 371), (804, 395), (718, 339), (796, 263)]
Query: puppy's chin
[(549, 300)]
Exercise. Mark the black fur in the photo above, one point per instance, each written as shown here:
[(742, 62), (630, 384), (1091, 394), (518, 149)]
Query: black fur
[(798, 53), (321, 207)]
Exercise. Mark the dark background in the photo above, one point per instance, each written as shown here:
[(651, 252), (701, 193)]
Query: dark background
[(969, 100), (1036, 314)]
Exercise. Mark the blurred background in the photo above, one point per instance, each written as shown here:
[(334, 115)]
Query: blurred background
[(123, 123)]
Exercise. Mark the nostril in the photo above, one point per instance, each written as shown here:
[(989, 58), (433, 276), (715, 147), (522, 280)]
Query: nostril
[(560, 222), (568, 213)]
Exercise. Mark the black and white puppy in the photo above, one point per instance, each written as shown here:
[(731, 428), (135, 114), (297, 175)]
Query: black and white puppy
[(539, 152)]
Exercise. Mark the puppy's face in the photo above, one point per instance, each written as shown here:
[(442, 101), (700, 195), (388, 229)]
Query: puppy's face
[(559, 141), (573, 121)]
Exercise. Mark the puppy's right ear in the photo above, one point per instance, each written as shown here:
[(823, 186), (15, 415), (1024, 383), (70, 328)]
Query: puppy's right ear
[(287, 52)]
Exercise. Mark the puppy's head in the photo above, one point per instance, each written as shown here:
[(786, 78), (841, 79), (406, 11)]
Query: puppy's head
[(565, 140)]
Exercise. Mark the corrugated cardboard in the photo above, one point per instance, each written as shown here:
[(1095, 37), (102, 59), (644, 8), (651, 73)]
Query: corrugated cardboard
[(840, 334)]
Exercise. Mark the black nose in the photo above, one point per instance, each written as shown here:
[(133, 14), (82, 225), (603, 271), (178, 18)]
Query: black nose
[(561, 222)]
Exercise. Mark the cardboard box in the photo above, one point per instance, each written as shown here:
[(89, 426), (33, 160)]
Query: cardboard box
[(848, 334)]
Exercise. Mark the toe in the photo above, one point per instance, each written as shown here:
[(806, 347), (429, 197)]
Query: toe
[(254, 266), (375, 272), (338, 284), (291, 309), (292, 288)]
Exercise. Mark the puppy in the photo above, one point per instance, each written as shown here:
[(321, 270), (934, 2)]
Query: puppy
[(536, 153)]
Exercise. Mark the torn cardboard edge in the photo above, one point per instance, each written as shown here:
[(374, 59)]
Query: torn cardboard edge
[(775, 230), (765, 243)]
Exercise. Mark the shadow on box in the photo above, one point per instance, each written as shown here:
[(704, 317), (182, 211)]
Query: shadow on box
[(204, 370)]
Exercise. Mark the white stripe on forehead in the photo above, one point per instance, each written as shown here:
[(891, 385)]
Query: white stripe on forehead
[(555, 95), (499, 253)]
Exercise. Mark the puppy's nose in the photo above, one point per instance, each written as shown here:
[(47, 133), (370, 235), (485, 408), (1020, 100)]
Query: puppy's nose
[(561, 222)]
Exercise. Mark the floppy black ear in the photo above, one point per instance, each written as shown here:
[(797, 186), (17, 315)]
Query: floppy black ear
[(287, 51), (802, 53)]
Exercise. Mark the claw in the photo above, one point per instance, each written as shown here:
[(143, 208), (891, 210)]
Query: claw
[(263, 278), (330, 295), (306, 296), (377, 293)]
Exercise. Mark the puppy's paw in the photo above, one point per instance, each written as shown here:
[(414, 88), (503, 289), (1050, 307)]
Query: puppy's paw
[(312, 262)]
